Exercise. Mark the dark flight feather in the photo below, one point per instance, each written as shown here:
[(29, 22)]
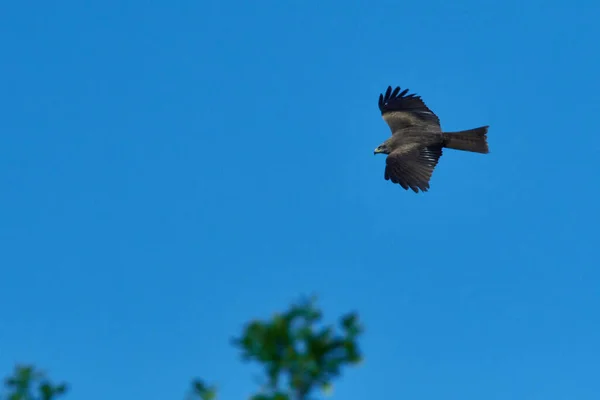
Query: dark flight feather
[(401, 102), (413, 169)]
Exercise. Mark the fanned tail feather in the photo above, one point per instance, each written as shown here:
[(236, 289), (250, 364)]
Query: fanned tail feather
[(474, 140)]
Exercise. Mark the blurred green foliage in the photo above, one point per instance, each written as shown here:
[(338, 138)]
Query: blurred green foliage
[(28, 383), (298, 355)]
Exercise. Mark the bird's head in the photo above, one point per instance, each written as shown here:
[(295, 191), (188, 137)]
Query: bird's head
[(382, 149)]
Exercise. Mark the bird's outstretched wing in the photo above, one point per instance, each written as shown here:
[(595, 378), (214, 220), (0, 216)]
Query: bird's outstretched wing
[(400, 110), (412, 169)]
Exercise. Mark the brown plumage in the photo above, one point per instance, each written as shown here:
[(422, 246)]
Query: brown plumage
[(417, 140)]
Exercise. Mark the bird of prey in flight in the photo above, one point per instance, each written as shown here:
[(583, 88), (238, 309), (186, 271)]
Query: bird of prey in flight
[(417, 140)]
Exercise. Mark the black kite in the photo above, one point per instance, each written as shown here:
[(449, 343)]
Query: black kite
[(417, 140)]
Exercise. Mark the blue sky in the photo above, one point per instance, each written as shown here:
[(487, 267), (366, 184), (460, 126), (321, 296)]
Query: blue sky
[(170, 170)]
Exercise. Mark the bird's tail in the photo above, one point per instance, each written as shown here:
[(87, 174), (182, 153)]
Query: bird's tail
[(474, 140)]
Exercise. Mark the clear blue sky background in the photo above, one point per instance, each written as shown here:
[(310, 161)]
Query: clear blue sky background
[(170, 170)]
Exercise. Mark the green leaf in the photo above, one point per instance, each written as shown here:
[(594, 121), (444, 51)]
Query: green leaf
[(260, 397), (281, 396), (47, 391), (60, 389), (203, 391), (327, 389)]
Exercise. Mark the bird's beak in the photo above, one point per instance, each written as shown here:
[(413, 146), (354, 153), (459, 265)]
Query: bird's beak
[(377, 150)]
